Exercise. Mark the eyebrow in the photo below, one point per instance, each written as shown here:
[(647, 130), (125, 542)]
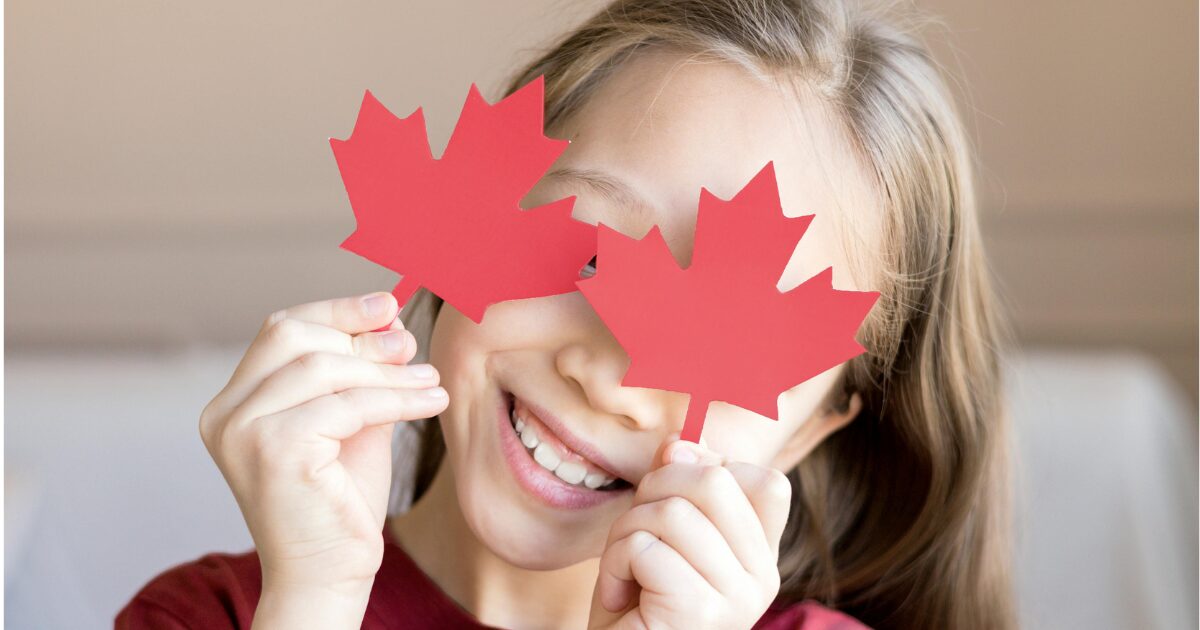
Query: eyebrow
[(607, 185)]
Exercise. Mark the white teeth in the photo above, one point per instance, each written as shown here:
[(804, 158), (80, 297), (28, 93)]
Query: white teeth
[(595, 480), (529, 437), (544, 454), (571, 472)]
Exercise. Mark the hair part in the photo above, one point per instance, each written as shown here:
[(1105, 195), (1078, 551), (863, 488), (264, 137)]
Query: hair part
[(901, 518)]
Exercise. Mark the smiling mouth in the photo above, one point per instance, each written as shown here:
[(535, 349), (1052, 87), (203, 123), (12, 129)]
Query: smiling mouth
[(548, 452)]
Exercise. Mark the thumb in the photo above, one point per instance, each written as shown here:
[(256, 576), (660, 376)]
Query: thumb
[(674, 450)]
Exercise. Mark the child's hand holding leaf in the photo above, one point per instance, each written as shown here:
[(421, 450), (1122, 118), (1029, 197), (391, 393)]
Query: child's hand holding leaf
[(302, 433), (699, 547)]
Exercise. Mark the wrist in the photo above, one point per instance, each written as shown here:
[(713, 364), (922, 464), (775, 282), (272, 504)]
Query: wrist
[(284, 605)]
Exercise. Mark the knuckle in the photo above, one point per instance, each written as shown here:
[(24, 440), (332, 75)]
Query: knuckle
[(676, 510), (776, 486), (640, 541), (285, 332), (208, 437), (211, 439), (715, 478), (274, 318), (317, 364), (206, 421)]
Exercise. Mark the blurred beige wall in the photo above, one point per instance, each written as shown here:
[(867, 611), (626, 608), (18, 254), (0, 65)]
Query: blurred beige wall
[(169, 180)]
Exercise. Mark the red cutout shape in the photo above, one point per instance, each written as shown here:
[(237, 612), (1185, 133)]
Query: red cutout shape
[(720, 329), (454, 224)]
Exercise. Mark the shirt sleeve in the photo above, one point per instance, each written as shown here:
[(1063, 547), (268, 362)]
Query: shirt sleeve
[(139, 613), (218, 591)]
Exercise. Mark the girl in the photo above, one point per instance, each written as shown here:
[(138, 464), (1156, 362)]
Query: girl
[(547, 495)]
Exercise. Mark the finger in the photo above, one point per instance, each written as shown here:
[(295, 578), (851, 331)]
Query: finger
[(350, 315), (690, 453), (680, 524), (770, 493), (717, 494), (641, 560), (289, 339), (667, 449), (341, 415), (395, 324), (320, 373), (393, 345)]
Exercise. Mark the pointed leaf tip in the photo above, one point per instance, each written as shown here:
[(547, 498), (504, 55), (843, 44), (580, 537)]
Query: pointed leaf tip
[(475, 94), (763, 183), (823, 279)]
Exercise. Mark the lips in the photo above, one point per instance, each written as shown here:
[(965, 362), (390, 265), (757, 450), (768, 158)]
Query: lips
[(551, 463), (549, 451)]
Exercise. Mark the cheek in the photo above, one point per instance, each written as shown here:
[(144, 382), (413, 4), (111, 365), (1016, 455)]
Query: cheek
[(458, 349), (451, 342), (746, 436), (465, 355)]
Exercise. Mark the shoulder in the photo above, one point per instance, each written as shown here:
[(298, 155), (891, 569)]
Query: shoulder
[(218, 590), (807, 615)]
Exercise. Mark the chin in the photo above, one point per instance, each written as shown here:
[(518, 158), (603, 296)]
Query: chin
[(524, 540), (515, 503)]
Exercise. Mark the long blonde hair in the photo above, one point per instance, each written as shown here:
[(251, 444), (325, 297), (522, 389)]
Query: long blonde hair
[(900, 519)]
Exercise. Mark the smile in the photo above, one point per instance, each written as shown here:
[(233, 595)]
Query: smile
[(546, 467)]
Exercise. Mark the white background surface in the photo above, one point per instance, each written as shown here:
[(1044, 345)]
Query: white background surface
[(108, 484)]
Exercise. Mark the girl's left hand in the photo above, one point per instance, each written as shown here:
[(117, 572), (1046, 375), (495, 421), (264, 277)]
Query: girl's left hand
[(699, 547)]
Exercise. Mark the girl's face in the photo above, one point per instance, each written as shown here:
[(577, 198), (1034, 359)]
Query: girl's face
[(646, 142)]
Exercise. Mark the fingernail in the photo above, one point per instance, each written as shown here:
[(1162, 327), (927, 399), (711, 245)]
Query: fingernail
[(392, 342), (683, 454), (375, 305), (421, 370), (436, 392)]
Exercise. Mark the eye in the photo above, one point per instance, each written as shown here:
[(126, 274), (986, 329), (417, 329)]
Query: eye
[(589, 269)]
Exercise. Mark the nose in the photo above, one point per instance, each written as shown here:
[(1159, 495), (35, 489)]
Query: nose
[(597, 368)]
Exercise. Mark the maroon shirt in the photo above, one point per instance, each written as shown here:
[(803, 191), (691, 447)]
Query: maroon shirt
[(220, 591)]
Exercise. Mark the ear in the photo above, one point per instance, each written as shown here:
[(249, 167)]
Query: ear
[(822, 424)]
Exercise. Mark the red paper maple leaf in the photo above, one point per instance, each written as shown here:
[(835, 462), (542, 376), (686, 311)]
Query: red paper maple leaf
[(454, 224), (720, 329)]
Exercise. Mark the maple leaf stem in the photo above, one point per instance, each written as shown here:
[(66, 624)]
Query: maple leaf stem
[(405, 289), (693, 420)]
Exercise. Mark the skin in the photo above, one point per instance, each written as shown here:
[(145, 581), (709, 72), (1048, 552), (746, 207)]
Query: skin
[(302, 430)]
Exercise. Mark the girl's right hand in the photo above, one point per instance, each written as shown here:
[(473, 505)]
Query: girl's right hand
[(302, 433)]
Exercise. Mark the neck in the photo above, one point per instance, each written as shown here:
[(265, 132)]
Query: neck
[(436, 536)]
